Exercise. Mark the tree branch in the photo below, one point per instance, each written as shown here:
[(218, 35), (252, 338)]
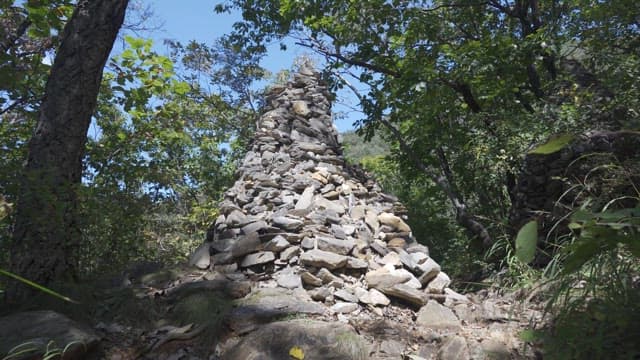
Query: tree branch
[(363, 64)]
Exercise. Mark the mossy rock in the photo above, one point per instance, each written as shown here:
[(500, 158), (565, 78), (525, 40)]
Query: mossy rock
[(205, 308), (301, 339)]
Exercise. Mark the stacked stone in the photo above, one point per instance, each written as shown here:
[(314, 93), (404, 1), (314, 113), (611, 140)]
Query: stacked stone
[(298, 214)]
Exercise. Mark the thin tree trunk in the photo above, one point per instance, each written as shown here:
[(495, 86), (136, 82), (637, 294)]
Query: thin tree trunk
[(46, 237)]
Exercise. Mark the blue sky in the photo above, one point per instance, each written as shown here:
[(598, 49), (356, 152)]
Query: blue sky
[(186, 20)]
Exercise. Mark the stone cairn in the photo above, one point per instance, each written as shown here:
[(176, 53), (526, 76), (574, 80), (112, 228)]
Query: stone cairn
[(300, 215)]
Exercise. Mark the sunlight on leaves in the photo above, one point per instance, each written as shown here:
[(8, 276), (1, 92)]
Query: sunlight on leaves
[(553, 145)]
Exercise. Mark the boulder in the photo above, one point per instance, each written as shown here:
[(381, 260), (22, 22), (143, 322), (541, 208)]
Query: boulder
[(32, 333), (301, 339)]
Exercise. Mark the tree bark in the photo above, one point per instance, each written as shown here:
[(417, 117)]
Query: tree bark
[(46, 237)]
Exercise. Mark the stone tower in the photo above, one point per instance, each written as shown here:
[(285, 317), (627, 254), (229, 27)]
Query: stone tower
[(301, 217)]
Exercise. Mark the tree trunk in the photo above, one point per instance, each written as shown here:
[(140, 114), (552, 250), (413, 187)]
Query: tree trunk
[(46, 237)]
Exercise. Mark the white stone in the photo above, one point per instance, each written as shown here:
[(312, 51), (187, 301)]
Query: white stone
[(344, 307), (200, 257), (437, 285), (384, 277), (306, 199), (393, 221)]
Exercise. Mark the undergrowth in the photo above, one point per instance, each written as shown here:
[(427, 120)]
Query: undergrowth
[(591, 285)]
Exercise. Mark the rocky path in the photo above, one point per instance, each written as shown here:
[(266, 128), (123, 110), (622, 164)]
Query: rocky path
[(247, 319)]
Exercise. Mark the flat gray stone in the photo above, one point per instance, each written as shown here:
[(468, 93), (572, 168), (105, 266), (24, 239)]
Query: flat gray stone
[(338, 231), (320, 294), (319, 258), (435, 316), (306, 199), (36, 329), (259, 258), (277, 244), (287, 223), (327, 277), (406, 293), (392, 348), (371, 218), (429, 269), (289, 281), (266, 304), (320, 202), (308, 243), (356, 264), (357, 212), (255, 226), (372, 297), (344, 307), (310, 279), (338, 246), (345, 295), (237, 219), (454, 348), (246, 244), (290, 252)]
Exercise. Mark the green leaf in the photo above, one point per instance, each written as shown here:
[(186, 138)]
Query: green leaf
[(297, 353), (526, 241), (181, 87), (553, 145)]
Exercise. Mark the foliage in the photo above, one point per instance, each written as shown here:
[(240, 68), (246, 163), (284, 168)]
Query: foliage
[(463, 89), (593, 275), (159, 160), (357, 149), (162, 145), (51, 351), (596, 310), (553, 145)]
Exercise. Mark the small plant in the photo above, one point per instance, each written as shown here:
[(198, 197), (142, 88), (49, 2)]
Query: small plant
[(49, 352)]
